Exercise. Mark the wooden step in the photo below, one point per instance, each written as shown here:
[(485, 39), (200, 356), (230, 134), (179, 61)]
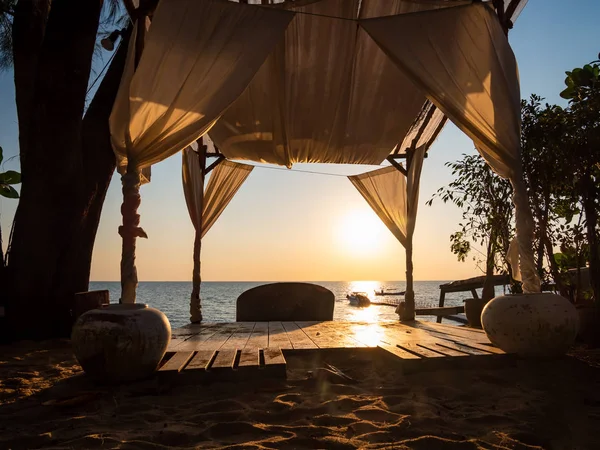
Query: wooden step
[(224, 365)]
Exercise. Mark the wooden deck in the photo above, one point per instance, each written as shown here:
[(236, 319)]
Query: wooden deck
[(242, 349)]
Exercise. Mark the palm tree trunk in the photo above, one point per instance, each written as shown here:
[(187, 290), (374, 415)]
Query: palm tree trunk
[(52, 193)]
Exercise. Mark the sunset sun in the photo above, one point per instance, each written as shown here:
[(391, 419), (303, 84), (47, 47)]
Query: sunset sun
[(360, 232)]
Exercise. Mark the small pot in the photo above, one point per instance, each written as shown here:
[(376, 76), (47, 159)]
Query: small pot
[(537, 325), (473, 309), (589, 324), (121, 343)]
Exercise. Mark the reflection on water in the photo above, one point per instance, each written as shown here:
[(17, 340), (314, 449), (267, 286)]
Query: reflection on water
[(368, 287), (363, 314)]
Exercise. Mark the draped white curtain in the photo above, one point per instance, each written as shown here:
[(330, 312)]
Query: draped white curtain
[(461, 59), (206, 205), (198, 57), (327, 93), (224, 182), (385, 192)]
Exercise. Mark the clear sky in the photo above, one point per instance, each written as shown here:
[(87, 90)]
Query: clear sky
[(294, 226)]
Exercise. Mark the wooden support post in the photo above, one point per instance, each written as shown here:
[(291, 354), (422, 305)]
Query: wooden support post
[(408, 312), (441, 303), (131, 181), (195, 302)]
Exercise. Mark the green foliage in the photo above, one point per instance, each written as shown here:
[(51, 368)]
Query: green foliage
[(6, 15), (581, 81), (485, 200), (7, 179), (460, 246)]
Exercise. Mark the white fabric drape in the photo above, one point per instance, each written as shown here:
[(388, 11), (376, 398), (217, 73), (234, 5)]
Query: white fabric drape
[(327, 94), (198, 58), (461, 58), (424, 130), (225, 180), (393, 196), (385, 192), (206, 205)]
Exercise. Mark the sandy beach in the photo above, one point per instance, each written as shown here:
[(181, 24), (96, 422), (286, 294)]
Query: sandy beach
[(46, 402)]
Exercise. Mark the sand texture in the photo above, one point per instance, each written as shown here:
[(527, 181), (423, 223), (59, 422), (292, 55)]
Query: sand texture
[(45, 402)]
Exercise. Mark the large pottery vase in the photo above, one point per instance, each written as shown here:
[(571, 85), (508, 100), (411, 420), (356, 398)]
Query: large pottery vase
[(120, 343), (531, 325)]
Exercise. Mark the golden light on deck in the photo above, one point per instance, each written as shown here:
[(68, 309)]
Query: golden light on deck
[(360, 231), (370, 334)]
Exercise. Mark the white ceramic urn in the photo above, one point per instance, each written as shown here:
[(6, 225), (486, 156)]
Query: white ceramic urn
[(121, 343), (532, 325)]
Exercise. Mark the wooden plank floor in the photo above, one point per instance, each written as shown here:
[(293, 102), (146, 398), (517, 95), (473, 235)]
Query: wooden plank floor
[(420, 339), (242, 350)]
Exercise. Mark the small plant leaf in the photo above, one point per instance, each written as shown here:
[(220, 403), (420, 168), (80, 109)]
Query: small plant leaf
[(8, 191), (10, 177)]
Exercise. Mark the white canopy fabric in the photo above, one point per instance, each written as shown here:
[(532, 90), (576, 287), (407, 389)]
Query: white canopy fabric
[(394, 197), (225, 180), (472, 77), (342, 81), (326, 94), (385, 192), (198, 58), (205, 206)]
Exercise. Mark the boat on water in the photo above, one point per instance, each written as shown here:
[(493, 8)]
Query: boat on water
[(358, 299), (389, 292)]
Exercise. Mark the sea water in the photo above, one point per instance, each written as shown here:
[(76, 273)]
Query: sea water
[(219, 298)]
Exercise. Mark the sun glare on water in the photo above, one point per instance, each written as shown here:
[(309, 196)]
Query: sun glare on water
[(360, 232)]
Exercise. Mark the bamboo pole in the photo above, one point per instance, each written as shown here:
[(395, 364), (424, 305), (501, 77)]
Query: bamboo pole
[(195, 302), (131, 181)]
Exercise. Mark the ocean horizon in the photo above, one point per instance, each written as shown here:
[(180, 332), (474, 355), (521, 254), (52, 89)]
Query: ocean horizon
[(219, 298)]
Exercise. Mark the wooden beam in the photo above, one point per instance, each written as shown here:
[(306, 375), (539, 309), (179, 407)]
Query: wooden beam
[(402, 156), (398, 166), (499, 6), (415, 141), (444, 311), (512, 7), (215, 163)]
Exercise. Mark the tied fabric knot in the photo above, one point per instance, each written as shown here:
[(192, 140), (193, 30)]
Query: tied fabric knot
[(137, 232)]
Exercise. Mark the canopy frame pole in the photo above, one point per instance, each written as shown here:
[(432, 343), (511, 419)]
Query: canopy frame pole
[(195, 301), (131, 182), (407, 312), (220, 158), (397, 165)]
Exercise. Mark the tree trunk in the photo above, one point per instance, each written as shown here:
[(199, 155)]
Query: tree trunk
[(554, 270), (489, 291), (543, 230), (52, 193), (591, 222), (29, 27), (98, 162)]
